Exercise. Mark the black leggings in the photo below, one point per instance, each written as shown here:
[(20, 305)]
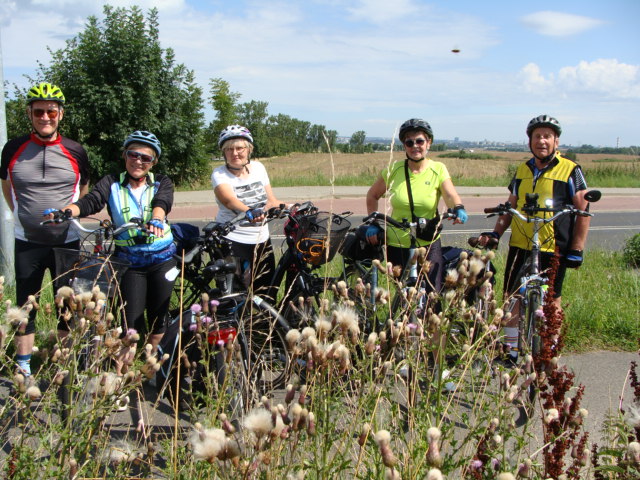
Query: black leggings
[(399, 256), (260, 261), (31, 262), (147, 288)]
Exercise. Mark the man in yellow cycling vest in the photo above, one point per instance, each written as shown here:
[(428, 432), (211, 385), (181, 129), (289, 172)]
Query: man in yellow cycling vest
[(553, 178)]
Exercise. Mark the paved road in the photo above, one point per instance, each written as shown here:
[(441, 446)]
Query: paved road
[(201, 204), (617, 213)]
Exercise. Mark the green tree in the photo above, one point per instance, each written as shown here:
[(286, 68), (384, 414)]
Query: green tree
[(316, 141), (254, 115), (117, 78), (225, 104), (357, 141), (16, 113), (332, 138)]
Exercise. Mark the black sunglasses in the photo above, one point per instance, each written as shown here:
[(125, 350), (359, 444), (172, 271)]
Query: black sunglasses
[(144, 158), (410, 143)]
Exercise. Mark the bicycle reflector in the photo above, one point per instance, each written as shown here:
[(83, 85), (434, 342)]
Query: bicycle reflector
[(312, 250), (221, 336)]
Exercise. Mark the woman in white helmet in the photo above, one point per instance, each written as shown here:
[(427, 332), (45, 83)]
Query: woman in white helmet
[(242, 185)]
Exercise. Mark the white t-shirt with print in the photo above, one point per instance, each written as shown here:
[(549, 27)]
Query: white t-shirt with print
[(250, 191)]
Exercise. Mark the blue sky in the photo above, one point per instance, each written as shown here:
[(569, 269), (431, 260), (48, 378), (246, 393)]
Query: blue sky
[(371, 64)]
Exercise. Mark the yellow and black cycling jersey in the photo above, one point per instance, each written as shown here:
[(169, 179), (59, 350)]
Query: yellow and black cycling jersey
[(559, 181)]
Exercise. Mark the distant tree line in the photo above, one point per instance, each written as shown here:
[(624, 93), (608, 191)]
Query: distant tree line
[(633, 150)]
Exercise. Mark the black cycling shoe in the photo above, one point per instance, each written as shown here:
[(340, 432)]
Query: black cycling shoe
[(508, 360)]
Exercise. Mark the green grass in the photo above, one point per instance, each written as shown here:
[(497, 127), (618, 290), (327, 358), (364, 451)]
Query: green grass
[(612, 176), (322, 180), (611, 160), (601, 303), (605, 174), (471, 156)]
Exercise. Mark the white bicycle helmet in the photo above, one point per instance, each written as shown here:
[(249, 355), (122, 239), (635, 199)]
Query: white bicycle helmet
[(544, 121), (234, 131)]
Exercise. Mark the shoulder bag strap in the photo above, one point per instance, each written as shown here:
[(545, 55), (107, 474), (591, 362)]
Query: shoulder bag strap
[(406, 176)]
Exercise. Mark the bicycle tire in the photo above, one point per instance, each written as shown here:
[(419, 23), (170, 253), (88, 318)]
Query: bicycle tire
[(530, 337), (183, 290), (269, 362), (231, 370)]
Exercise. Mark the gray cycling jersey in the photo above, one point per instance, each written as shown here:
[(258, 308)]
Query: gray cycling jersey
[(43, 175)]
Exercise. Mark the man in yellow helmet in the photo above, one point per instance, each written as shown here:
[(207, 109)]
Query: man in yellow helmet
[(38, 170)]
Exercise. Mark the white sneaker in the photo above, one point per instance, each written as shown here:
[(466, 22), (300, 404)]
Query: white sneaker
[(122, 404), (448, 386)]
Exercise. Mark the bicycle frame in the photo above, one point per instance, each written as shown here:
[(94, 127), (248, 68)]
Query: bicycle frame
[(300, 278), (532, 284), (532, 274), (410, 274)]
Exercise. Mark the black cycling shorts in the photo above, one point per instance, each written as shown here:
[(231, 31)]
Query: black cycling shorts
[(515, 260)]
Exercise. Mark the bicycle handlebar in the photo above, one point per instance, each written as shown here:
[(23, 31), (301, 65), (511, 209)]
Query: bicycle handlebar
[(507, 208), (375, 216), (405, 224), (61, 217)]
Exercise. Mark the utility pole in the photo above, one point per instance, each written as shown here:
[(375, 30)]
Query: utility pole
[(7, 240)]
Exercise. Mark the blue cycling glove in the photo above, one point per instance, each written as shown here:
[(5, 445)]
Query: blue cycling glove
[(49, 211), (461, 213), (573, 259), (156, 223), (372, 231), (251, 214)]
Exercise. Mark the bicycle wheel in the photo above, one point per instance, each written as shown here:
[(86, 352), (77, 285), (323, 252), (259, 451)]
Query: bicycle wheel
[(373, 315), (269, 356), (184, 293), (230, 366), (530, 338), (529, 341)]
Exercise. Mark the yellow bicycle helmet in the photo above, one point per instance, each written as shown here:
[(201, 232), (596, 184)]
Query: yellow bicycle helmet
[(45, 91)]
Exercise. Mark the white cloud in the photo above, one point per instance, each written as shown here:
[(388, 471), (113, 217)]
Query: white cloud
[(558, 24), (532, 80), (604, 78)]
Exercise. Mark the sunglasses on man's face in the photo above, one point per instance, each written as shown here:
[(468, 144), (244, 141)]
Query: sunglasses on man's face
[(143, 157), (51, 113), (410, 143)]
